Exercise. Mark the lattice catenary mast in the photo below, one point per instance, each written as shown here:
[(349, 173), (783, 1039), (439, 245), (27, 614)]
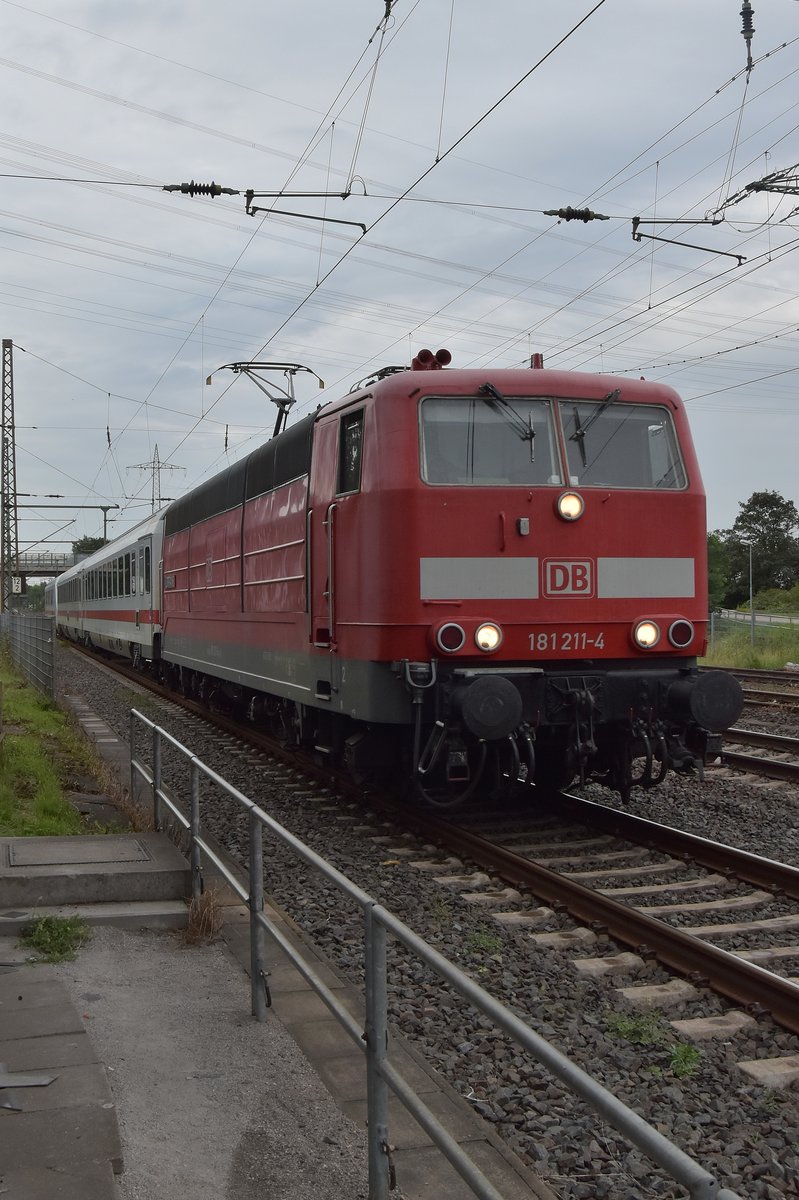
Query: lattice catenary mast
[(9, 542)]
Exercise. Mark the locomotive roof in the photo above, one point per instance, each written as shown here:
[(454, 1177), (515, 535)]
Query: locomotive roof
[(513, 380)]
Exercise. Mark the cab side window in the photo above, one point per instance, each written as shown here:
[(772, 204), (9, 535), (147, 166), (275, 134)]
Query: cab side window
[(350, 452)]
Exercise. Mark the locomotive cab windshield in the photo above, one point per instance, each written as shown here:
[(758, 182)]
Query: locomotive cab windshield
[(495, 440)]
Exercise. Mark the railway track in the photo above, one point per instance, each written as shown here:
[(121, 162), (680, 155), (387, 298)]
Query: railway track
[(781, 676), (754, 698), (620, 919), (785, 768), (670, 863)]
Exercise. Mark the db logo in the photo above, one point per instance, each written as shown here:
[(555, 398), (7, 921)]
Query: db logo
[(568, 577)]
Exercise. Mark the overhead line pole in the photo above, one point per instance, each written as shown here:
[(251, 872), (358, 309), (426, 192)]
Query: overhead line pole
[(9, 543)]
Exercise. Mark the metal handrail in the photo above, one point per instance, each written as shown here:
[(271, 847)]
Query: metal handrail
[(373, 1038)]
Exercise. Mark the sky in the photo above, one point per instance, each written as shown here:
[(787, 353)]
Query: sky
[(453, 125)]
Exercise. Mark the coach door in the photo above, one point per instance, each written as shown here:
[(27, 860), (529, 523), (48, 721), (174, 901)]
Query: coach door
[(143, 583)]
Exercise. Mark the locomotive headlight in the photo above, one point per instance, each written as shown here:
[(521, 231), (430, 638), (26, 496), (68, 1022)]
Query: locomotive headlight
[(646, 634), (488, 637), (570, 506)]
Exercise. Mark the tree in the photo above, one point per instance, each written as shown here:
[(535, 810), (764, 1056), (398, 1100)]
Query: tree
[(88, 545), (766, 526), (717, 570)]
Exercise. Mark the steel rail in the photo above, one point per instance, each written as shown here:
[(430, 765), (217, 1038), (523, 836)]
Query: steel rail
[(742, 982), (771, 699), (769, 741), (771, 768)]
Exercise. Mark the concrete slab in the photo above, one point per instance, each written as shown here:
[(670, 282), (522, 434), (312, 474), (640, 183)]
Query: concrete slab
[(767, 954), (659, 995), (63, 1138), (85, 1181), (28, 1022), (507, 895), (298, 1007), (531, 918), (425, 1173), (30, 991), (566, 940), (624, 963), (62, 851), (775, 1073), (93, 869), (730, 904), (344, 1075), (767, 925), (72, 1087), (725, 1025), (50, 1052), (405, 1132), (319, 1040)]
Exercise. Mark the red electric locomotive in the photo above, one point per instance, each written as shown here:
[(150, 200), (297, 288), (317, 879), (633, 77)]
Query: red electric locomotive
[(479, 575)]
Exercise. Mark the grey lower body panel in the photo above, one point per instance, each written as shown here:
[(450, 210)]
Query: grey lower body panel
[(365, 691)]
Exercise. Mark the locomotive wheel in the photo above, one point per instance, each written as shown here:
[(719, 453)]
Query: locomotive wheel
[(552, 770), (502, 775)]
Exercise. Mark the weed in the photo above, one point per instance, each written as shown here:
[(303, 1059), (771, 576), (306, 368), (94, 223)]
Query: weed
[(685, 1060), (769, 1102), (205, 918), (56, 939), (440, 913), (483, 940), (643, 1029)]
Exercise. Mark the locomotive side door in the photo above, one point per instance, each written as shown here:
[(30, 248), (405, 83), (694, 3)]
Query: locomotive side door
[(335, 475), (321, 549)]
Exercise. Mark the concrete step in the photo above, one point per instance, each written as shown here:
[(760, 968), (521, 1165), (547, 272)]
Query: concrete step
[(143, 914), (92, 869)]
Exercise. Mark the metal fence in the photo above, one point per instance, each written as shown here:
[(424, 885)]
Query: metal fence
[(373, 1037), (760, 627), (31, 640)]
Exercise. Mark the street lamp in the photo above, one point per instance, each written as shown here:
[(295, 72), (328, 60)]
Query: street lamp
[(751, 595)]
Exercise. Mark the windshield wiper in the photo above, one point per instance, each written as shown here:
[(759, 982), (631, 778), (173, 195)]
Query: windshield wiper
[(581, 430), (497, 402)]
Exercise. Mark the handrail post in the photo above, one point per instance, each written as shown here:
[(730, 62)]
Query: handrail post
[(376, 1037), (131, 744), (256, 906), (196, 861), (156, 777)]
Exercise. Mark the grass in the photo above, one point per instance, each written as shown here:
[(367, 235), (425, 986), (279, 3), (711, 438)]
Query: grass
[(56, 939), (39, 750), (482, 940), (651, 1029), (774, 647), (643, 1029), (685, 1060)]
